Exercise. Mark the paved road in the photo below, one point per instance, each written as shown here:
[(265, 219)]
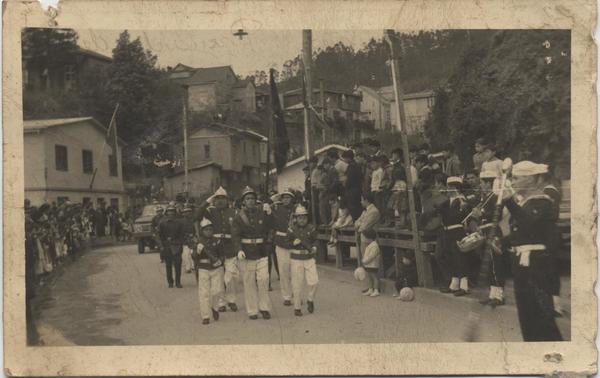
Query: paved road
[(114, 296)]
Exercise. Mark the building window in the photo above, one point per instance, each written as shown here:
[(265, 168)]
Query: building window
[(207, 151), (61, 158), (254, 150), (112, 166), (88, 161), (388, 115), (69, 77), (114, 203), (61, 200)]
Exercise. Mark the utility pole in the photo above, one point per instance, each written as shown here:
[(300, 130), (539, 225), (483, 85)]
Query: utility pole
[(424, 275), (323, 113), (185, 143), (307, 63)]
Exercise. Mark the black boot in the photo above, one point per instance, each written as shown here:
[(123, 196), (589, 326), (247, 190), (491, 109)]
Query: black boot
[(266, 315), (311, 306), (298, 312), (233, 307), (215, 314), (205, 321)]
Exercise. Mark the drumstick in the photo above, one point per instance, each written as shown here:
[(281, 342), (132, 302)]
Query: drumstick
[(471, 332)]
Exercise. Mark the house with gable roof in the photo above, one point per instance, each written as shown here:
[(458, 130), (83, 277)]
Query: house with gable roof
[(215, 89)]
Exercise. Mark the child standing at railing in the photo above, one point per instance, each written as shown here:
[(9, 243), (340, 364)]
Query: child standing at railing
[(343, 219), (370, 261)]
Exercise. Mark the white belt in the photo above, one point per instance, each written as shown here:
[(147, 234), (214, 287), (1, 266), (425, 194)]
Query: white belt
[(225, 236), (279, 233), (453, 227), (253, 241), (204, 261), (523, 251)]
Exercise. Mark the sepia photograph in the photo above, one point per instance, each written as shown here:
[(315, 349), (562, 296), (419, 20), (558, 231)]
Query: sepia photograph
[(352, 187), (226, 188)]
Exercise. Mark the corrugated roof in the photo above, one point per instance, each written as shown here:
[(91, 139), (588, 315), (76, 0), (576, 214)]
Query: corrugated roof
[(233, 130), (388, 93), (317, 152), (209, 75), (43, 124), (38, 124)]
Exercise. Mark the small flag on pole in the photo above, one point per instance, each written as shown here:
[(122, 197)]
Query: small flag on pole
[(281, 143)]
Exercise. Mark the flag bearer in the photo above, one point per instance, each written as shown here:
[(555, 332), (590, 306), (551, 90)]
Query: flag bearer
[(453, 212), (303, 238), (282, 217), (209, 262), (249, 232), (533, 245), (221, 216), (188, 246)]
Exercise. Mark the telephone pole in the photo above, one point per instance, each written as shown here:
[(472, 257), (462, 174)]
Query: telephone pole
[(307, 63)]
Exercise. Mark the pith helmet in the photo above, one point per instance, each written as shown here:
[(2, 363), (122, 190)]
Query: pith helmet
[(248, 190), (205, 223), (300, 210), (221, 192)]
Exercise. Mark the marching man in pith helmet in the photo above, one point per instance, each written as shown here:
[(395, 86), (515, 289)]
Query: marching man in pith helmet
[(172, 234), (249, 233), (221, 216), (303, 238), (209, 262), (282, 216), (533, 241)]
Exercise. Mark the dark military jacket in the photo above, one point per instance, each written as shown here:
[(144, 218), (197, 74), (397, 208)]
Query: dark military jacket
[(171, 231), (222, 220), (208, 253), (281, 217), (453, 212), (308, 239), (533, 221), (249, 232)]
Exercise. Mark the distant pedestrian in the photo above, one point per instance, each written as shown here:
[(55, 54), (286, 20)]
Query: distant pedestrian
[(172, 233)]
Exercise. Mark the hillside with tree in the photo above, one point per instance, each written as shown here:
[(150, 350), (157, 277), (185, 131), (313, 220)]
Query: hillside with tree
[(512, 87)]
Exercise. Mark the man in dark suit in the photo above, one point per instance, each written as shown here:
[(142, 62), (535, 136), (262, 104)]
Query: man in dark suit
[(353, 186), (172, 232)]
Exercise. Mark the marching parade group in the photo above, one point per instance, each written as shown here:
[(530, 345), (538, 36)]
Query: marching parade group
[(471, 213)]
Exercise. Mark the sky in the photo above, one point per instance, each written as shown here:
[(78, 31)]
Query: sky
[(259, 50)]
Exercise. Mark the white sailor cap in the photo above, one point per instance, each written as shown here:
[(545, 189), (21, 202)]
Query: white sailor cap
[(487, 174), (454, 180), (528, 168), (205, 223)]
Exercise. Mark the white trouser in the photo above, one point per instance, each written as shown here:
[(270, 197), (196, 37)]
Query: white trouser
[(188, 262), (231, 278), (210, 287), (283, 262), (255, 274), (304, 270)]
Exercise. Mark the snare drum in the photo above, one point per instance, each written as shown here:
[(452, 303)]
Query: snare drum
[(471, 242)]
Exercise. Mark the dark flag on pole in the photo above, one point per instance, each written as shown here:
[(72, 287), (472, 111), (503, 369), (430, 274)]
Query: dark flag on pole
[(280, 142)]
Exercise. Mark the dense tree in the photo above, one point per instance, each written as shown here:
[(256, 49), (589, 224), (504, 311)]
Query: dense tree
[(132, 83), (514, 88), (45, 48)]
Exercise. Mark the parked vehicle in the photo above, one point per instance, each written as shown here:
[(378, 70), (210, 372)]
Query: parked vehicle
[(142, 227)]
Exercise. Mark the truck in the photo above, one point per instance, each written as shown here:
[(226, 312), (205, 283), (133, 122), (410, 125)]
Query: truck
[(142, 227)]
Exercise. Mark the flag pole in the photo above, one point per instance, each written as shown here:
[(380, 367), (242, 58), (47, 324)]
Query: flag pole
[(424, 278), (307, 63), (269, 139), (185, 142), (110, 127)]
